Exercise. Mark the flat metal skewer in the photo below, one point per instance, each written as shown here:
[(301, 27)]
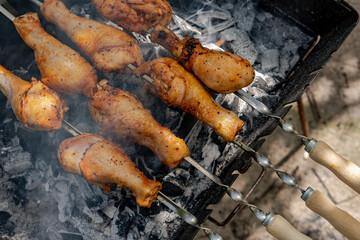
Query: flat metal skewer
[(186, 216), (37, 2), (6, 12), (181, 212), (265, 162), (262, 108), (234, 194)]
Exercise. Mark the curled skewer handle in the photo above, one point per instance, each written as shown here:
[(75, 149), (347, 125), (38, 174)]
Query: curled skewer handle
[(345, 170), (341, 220), (281, 229)]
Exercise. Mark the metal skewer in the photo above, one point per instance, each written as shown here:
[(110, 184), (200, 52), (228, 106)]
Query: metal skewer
[(260, 214), (265, 218), (259, 158), (262, 108), (234, 194), (185, 215), (181, 212)]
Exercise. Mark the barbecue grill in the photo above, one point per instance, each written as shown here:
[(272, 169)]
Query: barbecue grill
[(32, 179)]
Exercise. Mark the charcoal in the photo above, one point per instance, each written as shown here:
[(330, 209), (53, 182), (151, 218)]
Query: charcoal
[(227, 6), (17, 161), (270, 60), (94, 215), (109, 210), (170, 189), (92, 195), (220, 26), (183, 174), (83, 211), (70, 236), (65, 204), (244, 15), (1, 171), (4, 217), (33, 179), (265, 82), (86, 229), (122, 222)]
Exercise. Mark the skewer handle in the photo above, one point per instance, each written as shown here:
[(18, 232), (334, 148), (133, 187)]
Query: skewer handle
[(345, 170), (341, 220), (281, 229)]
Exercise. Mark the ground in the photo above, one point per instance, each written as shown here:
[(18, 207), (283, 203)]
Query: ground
[(336, 93)]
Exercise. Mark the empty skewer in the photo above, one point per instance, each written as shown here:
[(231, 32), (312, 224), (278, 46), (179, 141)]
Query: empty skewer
[(151, 68), (319, 151)]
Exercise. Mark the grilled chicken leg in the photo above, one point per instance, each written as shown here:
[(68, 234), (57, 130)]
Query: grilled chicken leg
[(222, 72), (61, 68), (135, 15), (34, 104), (178, 87), (108, 48), (105, 164), (119, 113)]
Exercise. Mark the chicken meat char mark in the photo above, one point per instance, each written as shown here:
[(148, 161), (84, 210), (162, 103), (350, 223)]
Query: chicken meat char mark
[(120, 114), (105, 164), (61, 68), (223, 72), (34, 104), (109, 49), (135, 15), (177, 87)]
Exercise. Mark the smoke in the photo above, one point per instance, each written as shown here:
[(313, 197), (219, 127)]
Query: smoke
[(38, 199)]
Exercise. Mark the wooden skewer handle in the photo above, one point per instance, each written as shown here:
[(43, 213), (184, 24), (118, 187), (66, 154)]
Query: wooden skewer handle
[(341, 220), (345, 170), (281, 229)]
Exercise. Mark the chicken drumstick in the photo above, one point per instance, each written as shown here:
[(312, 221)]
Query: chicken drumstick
[(135, 15), (34, 104), (177, 87), (108, 48), (61, 68), (119, 113), (105, 164), (222, 72)]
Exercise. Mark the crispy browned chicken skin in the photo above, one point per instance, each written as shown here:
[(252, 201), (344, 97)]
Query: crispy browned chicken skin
[(222, 72), (179, 88), (61, 68), (135, 15), (108, 48), (105, 164), (119, 113), (34, 104)]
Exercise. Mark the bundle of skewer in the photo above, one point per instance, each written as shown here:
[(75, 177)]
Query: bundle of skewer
[(164, 78)]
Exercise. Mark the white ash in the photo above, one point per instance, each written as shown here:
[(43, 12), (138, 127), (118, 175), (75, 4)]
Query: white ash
[(79, 203), (241, 43), (94, 215), (14, 159), (86, 229), (65, 204), (110, 209), (210, 153), (244, 13), (33, 179), (4, 205), (270, 60), (160, 225)]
